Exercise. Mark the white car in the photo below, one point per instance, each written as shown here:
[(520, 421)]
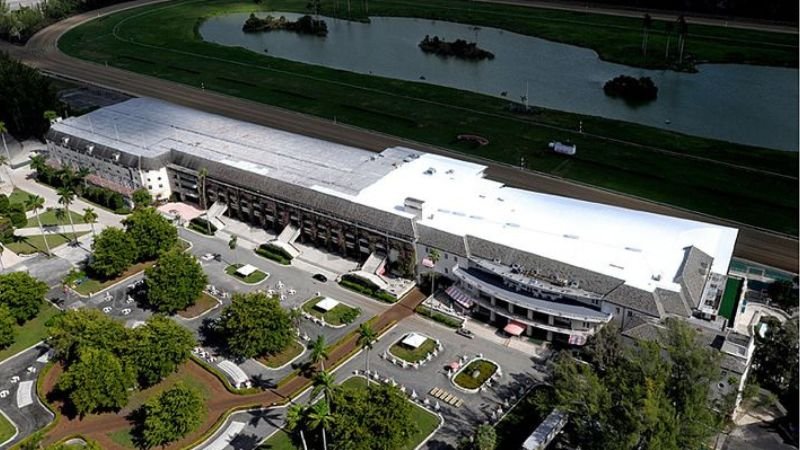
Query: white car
[(14, 379), (126, 311), (4, 393), (207, 257), (107, 309), (129, 300), (31, 369)]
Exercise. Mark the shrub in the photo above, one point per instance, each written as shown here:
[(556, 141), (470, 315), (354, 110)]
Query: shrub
[(275, 253), (202, 225), (18, 219), (4, 203), (350, 315), (105, 197), (439, 317), (361, 286)]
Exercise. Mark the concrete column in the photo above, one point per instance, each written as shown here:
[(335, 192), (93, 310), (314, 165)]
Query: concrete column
[(529, 331), (493, 301), (549, 335), (511, 308), (491, 316), (530, 314), (550, 321)]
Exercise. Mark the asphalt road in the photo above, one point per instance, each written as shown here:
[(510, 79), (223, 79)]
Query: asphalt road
[(753, 244)]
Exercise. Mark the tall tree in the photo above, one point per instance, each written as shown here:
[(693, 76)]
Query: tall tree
[(647, 23), (7, 322), (22, 294), (98, 381), (604, 349), (484, 438), (366, 336), (202, 174), (90, 217), (325, 383), (175, 282), (776, 360), (159, 348), (153, 233), (783, 293), (295, 417), (319, 351), (141, 198), (434, 256), (75, 330), (172, 415), (65, 197), (36, 203), (321, 417), (255, 324), (113, 251)]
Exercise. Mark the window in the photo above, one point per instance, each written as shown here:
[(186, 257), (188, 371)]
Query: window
[(150, 187), (618, 311), (160, 185), (455, 258), (630, 313), (445, 256), (159, 178), (445, 270)]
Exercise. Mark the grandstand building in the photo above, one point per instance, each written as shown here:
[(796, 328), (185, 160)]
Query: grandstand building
[(535, 264)]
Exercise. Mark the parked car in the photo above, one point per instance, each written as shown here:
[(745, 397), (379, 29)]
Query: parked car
[(465, 332), (320, 277)]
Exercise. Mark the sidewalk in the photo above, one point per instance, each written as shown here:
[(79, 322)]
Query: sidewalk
[(60, 229)]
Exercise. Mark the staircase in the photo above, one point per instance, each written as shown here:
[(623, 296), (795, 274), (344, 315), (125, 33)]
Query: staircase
[(213, 214), (289, 234), (373, 263)]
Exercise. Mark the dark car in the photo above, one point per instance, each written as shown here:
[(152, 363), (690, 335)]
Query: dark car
[(320, 277)]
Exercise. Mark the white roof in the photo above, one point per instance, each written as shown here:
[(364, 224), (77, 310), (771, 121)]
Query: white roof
[(246, 270), (414, 340), (326, 304), (235, 372), (631, 245)]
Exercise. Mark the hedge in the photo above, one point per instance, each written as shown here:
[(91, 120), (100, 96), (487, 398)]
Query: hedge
[(274, 253), (438, 317), (201, 226), (361, 289)]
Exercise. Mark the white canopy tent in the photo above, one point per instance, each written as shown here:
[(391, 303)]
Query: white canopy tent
[(246, 270), (414, 340), (326, 304)]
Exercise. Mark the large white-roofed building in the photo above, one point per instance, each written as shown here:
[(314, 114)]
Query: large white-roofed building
[(560, 267)]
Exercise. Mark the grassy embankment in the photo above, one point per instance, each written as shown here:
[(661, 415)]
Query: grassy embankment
[(162, 41)]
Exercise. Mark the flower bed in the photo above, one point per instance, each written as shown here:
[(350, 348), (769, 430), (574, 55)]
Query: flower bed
[(463, 378)]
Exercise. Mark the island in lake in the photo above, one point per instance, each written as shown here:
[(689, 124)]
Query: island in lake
[(303, 25), (632, 89), (458, 48)]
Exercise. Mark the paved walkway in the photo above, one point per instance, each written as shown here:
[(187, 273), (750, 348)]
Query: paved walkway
[(60, 229)]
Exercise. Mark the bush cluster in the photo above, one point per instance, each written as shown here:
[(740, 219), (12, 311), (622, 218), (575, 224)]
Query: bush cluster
[(274, 253), (439, 317), (365, 287), (202, 226)]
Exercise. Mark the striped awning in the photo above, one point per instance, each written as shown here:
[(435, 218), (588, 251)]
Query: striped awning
[(577, 339), (460, 297)]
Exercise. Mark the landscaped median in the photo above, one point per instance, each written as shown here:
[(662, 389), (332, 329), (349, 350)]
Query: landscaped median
[(330, 311), (472, 377), (279, 360), (413, 347), (274, 253), (203, 304), (365, 287), (6, 429), (246, 273)]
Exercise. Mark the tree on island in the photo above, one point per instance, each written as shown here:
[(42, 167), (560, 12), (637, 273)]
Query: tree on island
[(171, 415), (72, 331), (113, 251), (175, 282), (151, 231), (22, 294), (97, 381), (255, 324), (160, 346), (484, 438)]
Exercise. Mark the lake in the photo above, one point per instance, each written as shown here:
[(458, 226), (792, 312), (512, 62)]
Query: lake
[(753, 105)]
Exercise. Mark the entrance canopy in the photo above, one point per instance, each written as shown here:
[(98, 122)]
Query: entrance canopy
[(514, 328), (246, 270), (326, 304), (460, 297), (414, 340)]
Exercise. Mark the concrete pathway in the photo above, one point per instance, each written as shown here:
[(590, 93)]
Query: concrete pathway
[(60, 229)]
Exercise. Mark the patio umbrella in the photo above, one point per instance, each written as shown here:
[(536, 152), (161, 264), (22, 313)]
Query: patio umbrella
[(393, 383), (376, 376), (414, 394), (426, 402), (436, 406), (403, 389)]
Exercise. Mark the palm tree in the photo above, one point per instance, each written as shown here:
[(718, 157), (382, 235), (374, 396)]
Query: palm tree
[(434, 256), (36, 203), (90, 217), (80, 176), (294, 315), (50, 115), (3, 131), (201, 178), (683, 30), (318, 351), (668, 28), (647, 23), (366, 336), (320, 416), (294, 421), (38, 163), (325, 383), (67, 177), (65, 197), (233, 242)]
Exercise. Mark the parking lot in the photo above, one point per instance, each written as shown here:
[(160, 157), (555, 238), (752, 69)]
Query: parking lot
[(18, 398)]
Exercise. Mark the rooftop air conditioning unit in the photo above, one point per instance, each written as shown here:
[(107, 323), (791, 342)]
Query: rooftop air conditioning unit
[(65, 140), (496, 260), (430, 171)]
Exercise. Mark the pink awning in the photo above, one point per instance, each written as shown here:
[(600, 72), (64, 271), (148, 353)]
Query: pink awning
[(577, 339), (514, 328), (428, 263), (460, 297)]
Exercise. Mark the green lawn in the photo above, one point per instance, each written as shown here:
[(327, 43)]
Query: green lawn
[(161, 40), (486, 369), (91, 285), (6, 429), (49, 218), (413, 355), (425, 420), (279, 359), (254, 278), (32, 332), (203, 304), (123, 438), (730, 298), (340, 314), (18, 196), (28, 245)]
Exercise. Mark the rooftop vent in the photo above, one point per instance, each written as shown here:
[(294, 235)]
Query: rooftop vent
[(617, 266), (413, 205), (512, 225), (500, 199), (496, 260), (430, 171), (572, 236), (449, 171), (90, 148), (633, 249), (656, 277), (65, 140)]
